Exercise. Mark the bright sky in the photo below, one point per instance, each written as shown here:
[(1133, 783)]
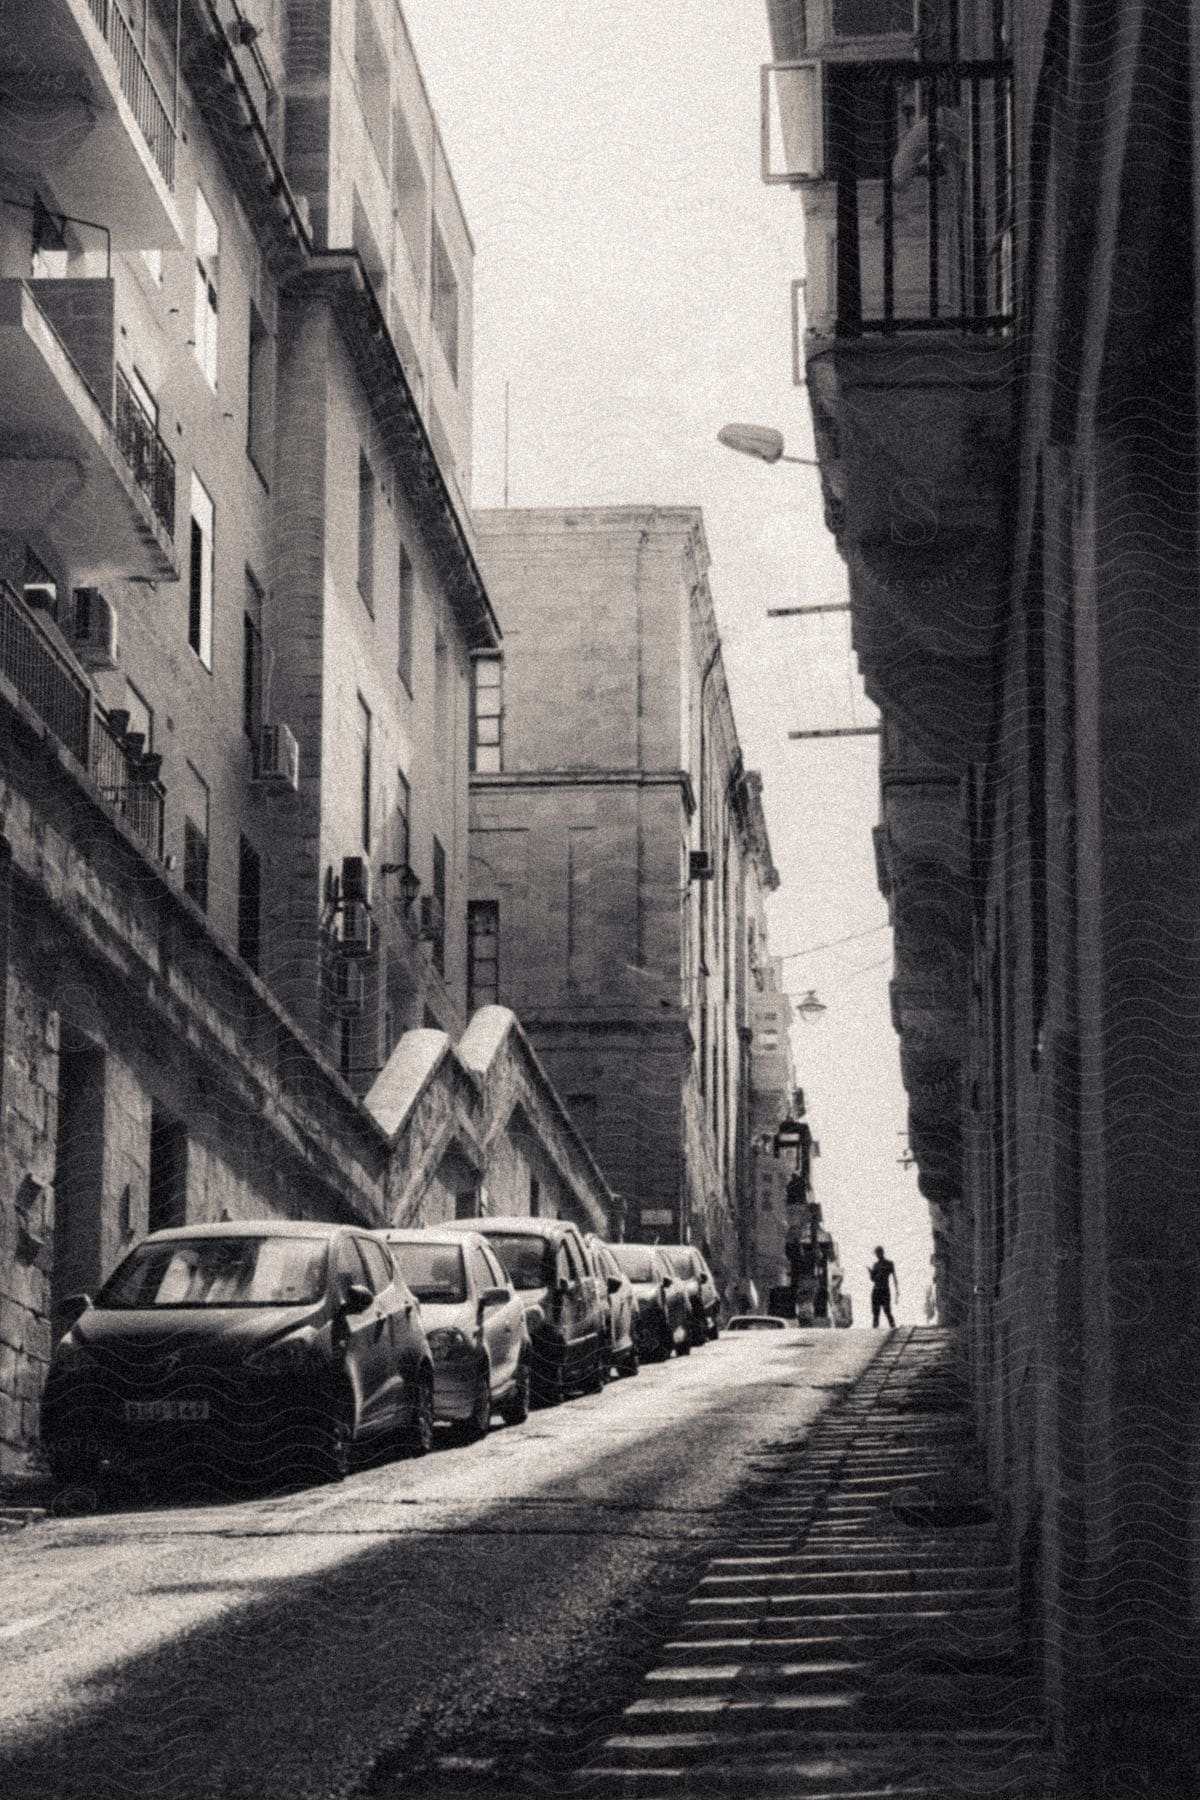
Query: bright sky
[(632, 286)]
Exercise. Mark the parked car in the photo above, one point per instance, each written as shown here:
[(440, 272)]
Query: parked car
[(662, 1302), (621, 1309), (547, 1263), (241, 1344), (704, 1302), (757, 1322), (475, 1324)]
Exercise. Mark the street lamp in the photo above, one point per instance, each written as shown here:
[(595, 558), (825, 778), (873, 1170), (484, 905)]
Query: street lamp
[(762, 441)]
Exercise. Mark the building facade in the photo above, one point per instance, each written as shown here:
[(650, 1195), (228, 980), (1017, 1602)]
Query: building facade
[(618, 850), (1001, 212), (238, 606)]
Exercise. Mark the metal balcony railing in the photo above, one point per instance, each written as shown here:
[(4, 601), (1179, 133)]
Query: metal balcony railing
[(128, 780), (37, 667), (137, 85), (921, 157), (152, 463)]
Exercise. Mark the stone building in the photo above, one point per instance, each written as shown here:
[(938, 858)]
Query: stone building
[(238, 603), (1001, 219), (773, 1094), (618, 850)]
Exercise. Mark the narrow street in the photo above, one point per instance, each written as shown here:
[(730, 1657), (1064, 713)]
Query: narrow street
[(318, 1643)]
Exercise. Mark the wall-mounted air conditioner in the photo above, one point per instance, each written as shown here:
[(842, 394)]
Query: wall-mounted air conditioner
[(430, 917), (278, 757), (93, 630), (356, 879), (868, 28), (354, 929), (42, 596)]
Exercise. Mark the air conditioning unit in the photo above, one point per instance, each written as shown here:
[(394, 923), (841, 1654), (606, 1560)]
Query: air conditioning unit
[(354, 934), (278, 756), (700, 865), (94, 629), (347, 988), (431, 918), (871, 27), (356, 879), (42, 596)]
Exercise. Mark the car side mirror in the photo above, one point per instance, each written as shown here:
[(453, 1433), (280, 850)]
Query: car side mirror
[(666, 1282), (74, 1306), (357, 1298), (564, 1286), (614, 1284), (494, 1296)]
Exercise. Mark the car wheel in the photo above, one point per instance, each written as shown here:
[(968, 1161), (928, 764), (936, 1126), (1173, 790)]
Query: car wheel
[(515, 1409), (479, 1423), (418, 1436), (334, 1436), (714, 1330), (663, 1341), (632, 1360), (685, 1348)]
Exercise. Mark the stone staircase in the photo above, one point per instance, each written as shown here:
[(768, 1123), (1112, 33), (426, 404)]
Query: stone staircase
[(859, 1638)]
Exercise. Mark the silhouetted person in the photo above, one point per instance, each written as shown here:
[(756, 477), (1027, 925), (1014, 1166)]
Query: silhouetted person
[(883, 1274)]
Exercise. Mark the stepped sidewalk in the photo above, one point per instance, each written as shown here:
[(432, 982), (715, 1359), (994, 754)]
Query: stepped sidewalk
[(860, 1638)]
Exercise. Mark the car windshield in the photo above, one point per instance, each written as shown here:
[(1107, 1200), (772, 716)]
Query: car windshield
[(527, 1259), (637, 1263), (756, 1325), (434, 1272), (214, 1271), (680, 1259)]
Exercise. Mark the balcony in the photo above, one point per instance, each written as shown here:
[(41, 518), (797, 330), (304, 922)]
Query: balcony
[(39, 668), (85, 112), (905, 170), (79, 458)]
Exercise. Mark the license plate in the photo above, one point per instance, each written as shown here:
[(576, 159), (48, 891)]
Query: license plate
[(142, 1412)]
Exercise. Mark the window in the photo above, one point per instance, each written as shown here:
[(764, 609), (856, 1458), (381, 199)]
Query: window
[(483, 954), (371, 74), (252, 661), (439, 894), (403, 852), (378, 1267), (195, 838), (208, 260), (200, 573), (535, 1197), (410, 195), (366, 532), (168, 1172), (487, 711), (364, 752), (481, 1274), (404, 633), (445, 301), (249, 921), (466, 1204), (345, 1048), (260, 394)]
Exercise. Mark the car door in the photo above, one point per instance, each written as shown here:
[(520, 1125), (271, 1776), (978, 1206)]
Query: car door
[(585, 1302), (497, 1324), (354, 1333), (405, 1335), (374, 1335)]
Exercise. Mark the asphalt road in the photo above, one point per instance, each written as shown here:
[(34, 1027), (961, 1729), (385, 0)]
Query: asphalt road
[(320, 1643)]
